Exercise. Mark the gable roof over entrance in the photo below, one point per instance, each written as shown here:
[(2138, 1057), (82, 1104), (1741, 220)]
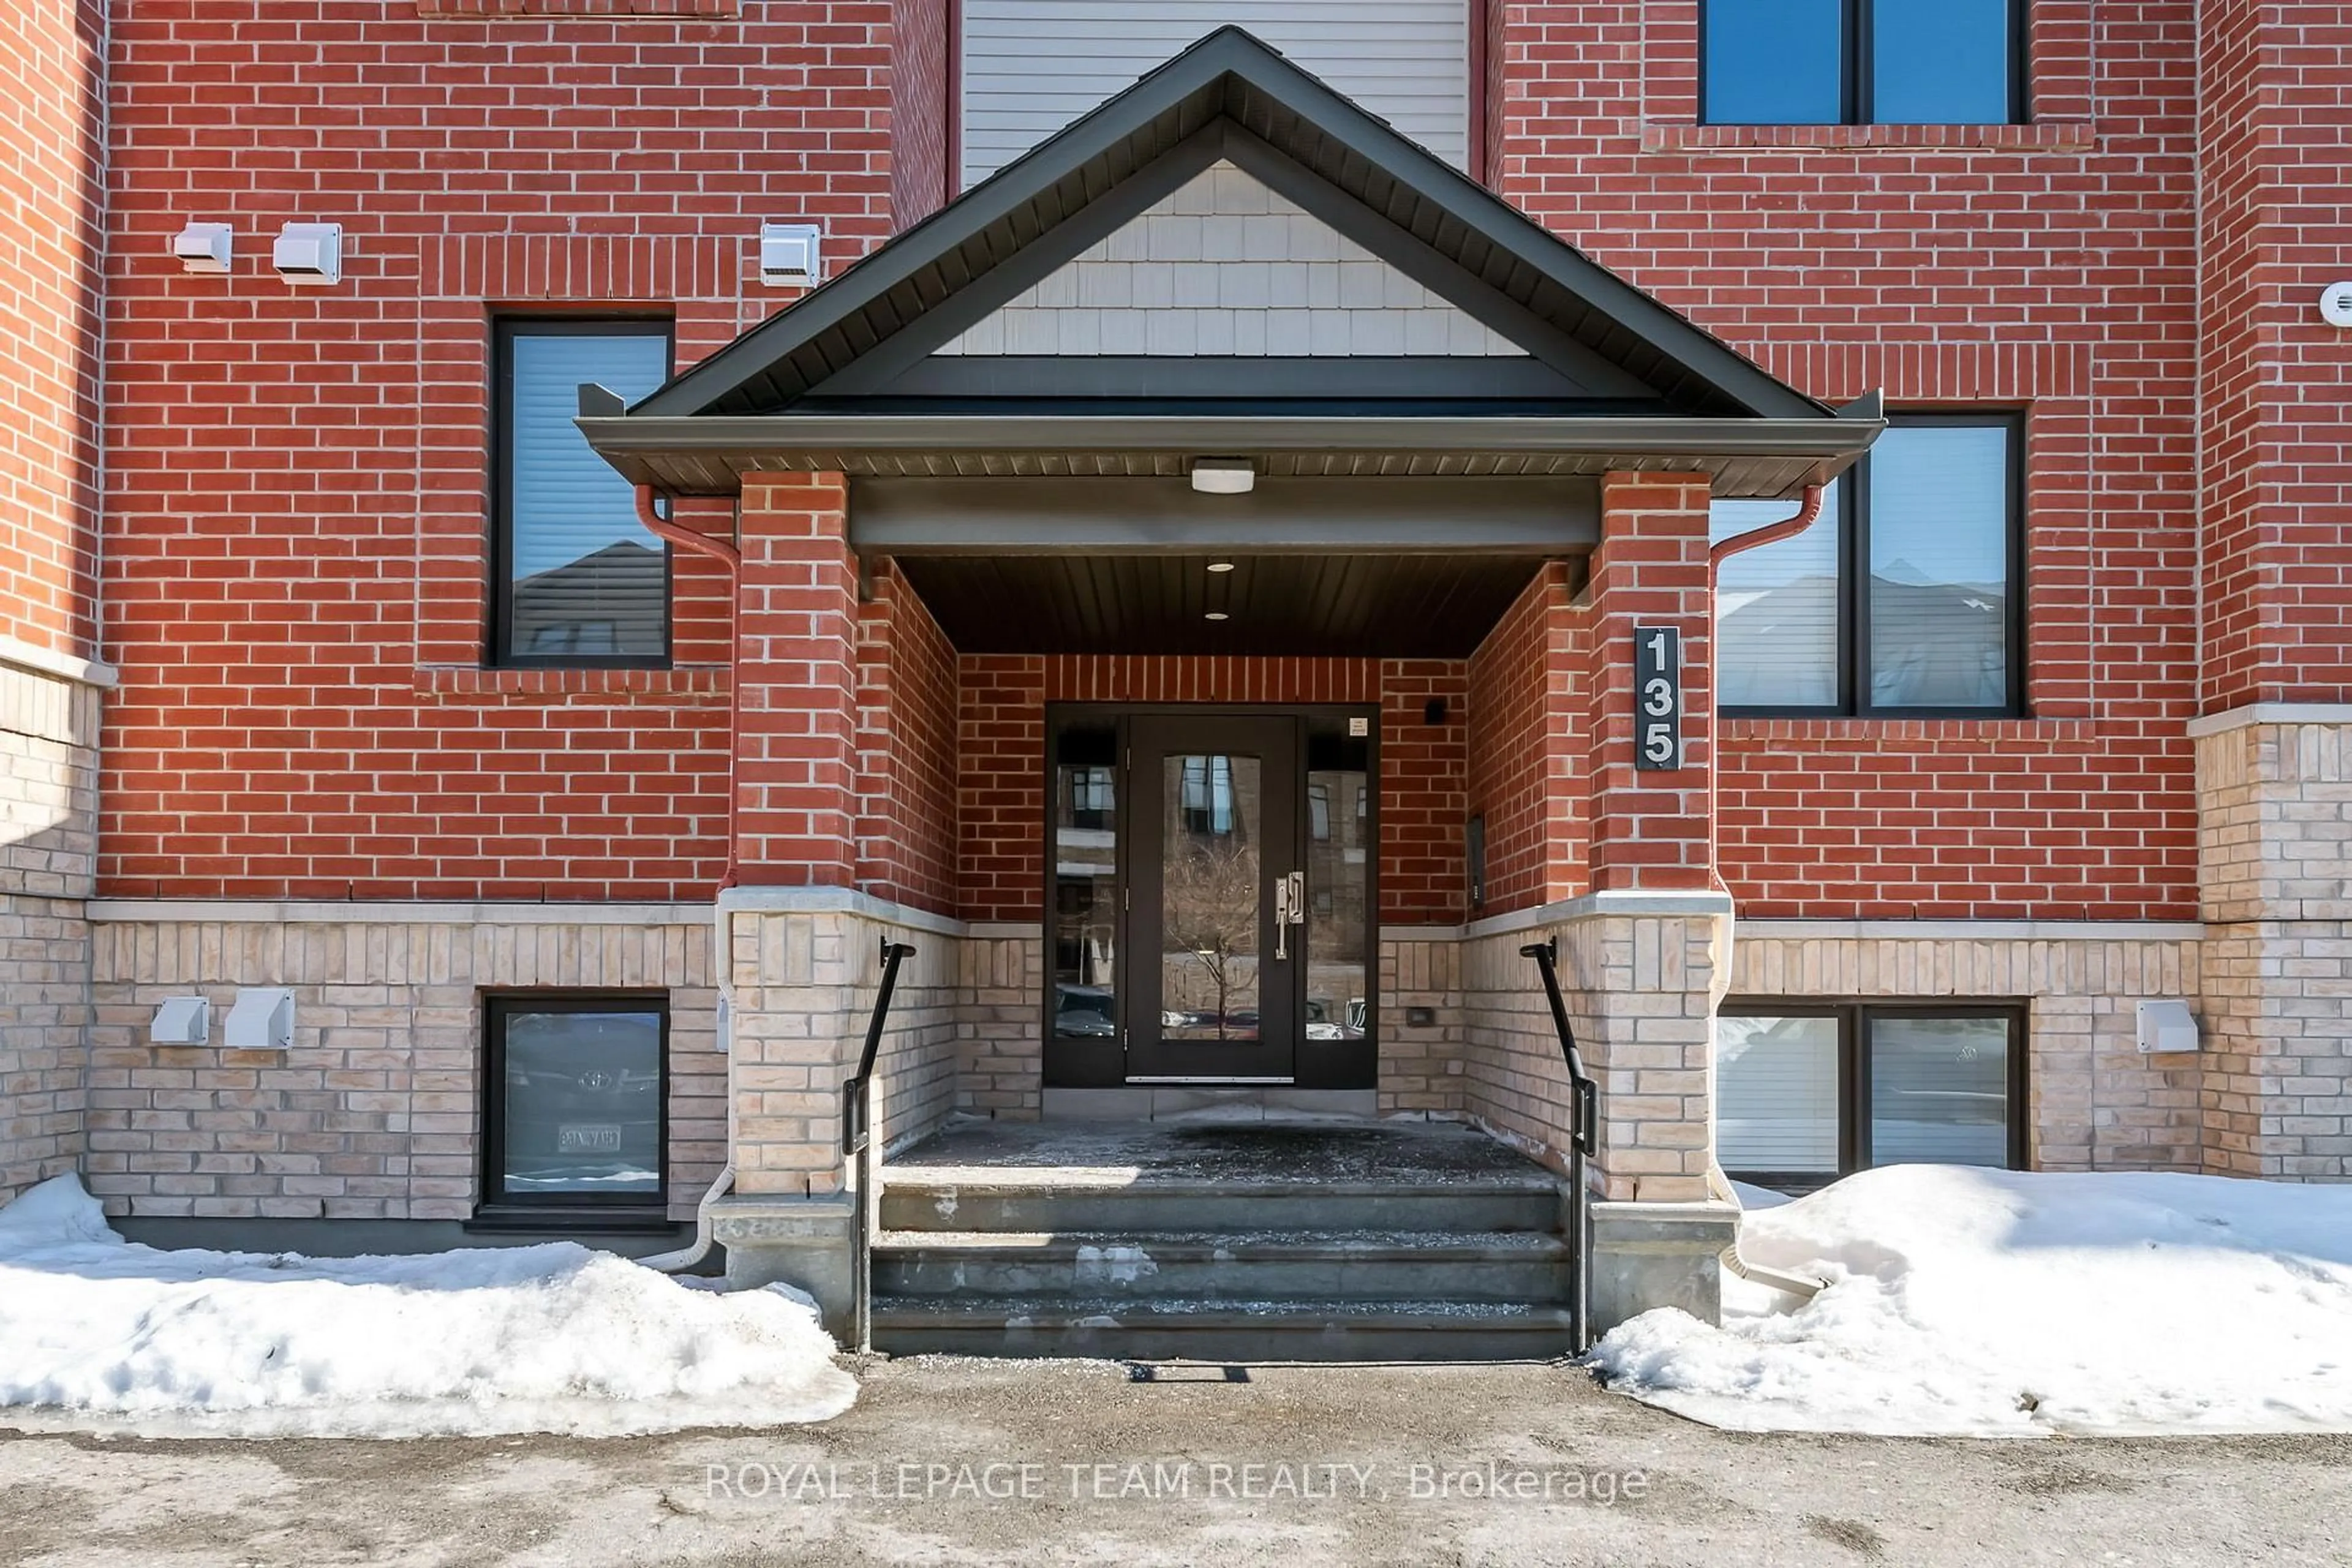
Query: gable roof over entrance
[(931, 356)]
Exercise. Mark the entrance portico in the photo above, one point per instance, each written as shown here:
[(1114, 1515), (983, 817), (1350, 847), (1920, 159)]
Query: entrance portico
[(1179, 791)]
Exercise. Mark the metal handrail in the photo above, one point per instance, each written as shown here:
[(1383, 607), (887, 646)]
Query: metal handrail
[(1584, 1140), (857, 1143)]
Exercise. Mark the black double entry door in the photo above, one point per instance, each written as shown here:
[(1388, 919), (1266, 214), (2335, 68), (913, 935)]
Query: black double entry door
[(1211, 898)]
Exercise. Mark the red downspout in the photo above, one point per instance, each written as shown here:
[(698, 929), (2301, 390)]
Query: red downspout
[(1809, 509), (727, 555)]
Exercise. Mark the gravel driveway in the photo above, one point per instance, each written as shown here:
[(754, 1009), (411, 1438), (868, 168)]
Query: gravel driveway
[(962, 1461)]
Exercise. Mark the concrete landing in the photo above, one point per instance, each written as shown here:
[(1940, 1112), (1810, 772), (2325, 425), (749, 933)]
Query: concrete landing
[(1320, 1153)]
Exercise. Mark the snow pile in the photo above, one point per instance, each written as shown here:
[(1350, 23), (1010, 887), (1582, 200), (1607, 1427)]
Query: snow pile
[(97, 1331), (1991, 1303)]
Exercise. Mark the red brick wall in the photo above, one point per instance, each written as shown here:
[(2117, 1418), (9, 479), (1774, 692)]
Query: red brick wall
[(2048, 267), (1001, 819), (1002, 739), (905, 749), (1522, 774), (51, 69), (294, 561), (295, 478), (1646, 829), (2277, 440), (922, 134), (1424, 792), (796, 753)]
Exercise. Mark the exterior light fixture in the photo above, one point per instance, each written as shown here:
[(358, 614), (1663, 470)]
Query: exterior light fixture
[(792, 255), (310, 253), (1224, 476), (204, 247), (1216, 615), (1220, 566)]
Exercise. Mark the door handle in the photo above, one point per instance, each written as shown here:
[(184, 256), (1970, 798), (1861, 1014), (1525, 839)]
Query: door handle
[(1290, 909)]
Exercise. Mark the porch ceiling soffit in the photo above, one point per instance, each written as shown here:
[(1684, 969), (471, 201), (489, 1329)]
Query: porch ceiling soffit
[(852, 377)]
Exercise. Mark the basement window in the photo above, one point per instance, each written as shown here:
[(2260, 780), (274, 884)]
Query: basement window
[(576, 579), (1806, 1093), (576, 1122)]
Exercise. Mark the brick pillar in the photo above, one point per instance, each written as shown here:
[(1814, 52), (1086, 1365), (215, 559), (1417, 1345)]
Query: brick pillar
[(1647, 829), (2274, 745), (2275, 207), (2274, 862), (796, 745), (1626, 886)]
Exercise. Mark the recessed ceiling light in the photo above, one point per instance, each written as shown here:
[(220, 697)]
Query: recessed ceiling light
[(1215, 615), (1220, 566)]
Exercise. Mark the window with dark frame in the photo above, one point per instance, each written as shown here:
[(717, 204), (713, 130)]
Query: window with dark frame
[(1084, 858), (1094, 798), (576, 580), (1807, 1093), (1206, 797), (1905, 598), (1863, 62), (574, 1114)]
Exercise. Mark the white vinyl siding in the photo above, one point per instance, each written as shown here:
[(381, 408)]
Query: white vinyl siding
[(1031, 66)]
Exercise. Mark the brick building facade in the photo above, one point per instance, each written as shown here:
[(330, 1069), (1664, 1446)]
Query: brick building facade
[(267, 726)]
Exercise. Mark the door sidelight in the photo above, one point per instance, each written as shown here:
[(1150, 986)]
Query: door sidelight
[(1290, 909)]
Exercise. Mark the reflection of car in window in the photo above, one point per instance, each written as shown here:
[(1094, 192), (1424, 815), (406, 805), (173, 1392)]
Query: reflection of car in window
[(583, 1103), (1325, 1021), (1084, 1012)]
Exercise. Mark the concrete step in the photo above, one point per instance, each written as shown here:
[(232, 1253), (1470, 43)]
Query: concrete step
[(1224, 1330), (964, 1203), (1480, 1265)]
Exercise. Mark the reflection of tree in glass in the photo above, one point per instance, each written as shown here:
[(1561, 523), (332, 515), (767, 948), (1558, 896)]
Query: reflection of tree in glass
[(1212, 907)]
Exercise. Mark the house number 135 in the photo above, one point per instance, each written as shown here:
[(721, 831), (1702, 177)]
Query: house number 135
[(1657, 697)]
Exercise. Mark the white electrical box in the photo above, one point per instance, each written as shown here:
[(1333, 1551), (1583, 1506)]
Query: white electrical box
[(310, 253), (792, 255), (2166, 1026), (261, 1021), (181, 1021), (204, 247)]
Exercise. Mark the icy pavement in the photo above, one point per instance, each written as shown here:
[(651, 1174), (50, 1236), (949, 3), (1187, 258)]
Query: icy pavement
[(1994, 1302), (99, 1333), (1321, 1152)]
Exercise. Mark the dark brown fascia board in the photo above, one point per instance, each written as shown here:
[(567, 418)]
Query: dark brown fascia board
[(1202, 72), (624, 441)]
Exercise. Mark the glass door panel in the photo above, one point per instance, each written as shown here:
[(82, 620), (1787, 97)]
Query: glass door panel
[(1085, 914), (1338, 903), (1216, 831), (1213, 897)]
